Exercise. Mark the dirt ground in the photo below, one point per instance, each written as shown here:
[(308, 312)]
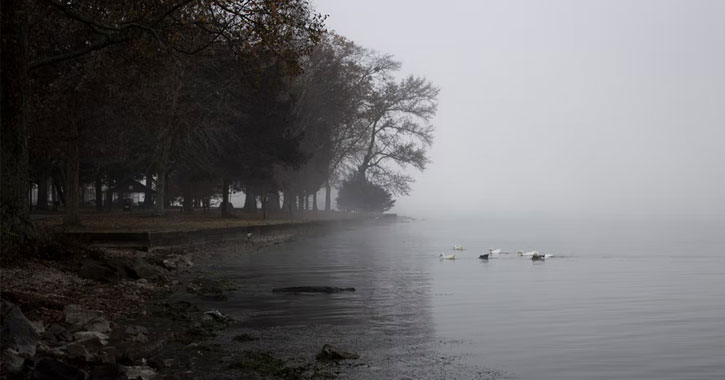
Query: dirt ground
[(174, 220)]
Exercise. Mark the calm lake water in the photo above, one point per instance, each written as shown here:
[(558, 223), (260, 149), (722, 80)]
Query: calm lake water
[(619, 300)]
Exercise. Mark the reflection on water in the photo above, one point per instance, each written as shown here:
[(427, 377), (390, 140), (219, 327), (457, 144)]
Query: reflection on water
[(635, 301)]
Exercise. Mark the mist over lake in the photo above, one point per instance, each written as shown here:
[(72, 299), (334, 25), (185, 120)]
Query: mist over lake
[(327, 189), (618, 299)]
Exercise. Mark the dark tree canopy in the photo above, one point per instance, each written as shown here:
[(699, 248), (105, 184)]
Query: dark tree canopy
[(197, 97)]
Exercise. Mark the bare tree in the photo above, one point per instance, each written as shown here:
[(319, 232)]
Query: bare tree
[(397, 131)]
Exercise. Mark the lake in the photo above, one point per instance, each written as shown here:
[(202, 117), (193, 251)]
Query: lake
[(630, 299)]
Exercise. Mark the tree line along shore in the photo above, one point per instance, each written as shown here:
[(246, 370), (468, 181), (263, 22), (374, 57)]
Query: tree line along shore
[(141, 105)]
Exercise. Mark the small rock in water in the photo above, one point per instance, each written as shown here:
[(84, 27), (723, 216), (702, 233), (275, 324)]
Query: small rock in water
[(216, 315), (330, 352)]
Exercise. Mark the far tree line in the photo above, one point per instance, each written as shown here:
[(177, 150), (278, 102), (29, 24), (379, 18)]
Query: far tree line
[(197, 98)]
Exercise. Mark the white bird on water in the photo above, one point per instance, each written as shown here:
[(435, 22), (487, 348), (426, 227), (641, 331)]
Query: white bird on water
[(458, 247), (494, 251), (447, 257)]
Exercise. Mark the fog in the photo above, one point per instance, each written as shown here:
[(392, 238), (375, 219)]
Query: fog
[(560, 108)]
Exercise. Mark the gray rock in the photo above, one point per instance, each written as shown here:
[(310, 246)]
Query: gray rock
[(109, 355), (141, 372), (330, 352), (18, 332), (207, 288), (78, 316), (91, 336), (170, 264), (135, 330), (38, 326), (100, 325), (141, 268), (140, 338), (90, 320), (12, 361), (61, 334), (78, 351)]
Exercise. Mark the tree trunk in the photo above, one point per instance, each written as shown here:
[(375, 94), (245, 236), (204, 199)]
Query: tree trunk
[(225, 198), (53, 196), (250, 201), (148, 200), (59, 191), (188, 204), (314, 201), (108, 204), (42, 202), (99, 193), (288, 202), (328, 203), (273, 201), (264, 197), (167, 140), (161, 180), (14, 205), (73, 162)]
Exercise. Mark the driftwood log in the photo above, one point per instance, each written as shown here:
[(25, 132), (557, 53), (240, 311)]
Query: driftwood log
[(312, 289)]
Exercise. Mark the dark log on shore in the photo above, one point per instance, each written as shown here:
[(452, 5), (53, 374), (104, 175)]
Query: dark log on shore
[(312, 289)]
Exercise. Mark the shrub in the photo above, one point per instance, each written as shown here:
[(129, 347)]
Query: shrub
[(359, 194)]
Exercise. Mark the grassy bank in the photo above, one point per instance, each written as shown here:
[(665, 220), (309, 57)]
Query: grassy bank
[(174, 220)]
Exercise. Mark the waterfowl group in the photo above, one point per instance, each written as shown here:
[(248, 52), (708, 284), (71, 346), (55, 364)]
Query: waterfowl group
[(534, 255)]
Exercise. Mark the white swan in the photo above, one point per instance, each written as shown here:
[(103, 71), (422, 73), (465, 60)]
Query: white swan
[(528, 254), (494, 251), (458, 247), (448, 257)]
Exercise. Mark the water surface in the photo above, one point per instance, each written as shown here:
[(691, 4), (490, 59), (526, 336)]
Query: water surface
[(619, 299)]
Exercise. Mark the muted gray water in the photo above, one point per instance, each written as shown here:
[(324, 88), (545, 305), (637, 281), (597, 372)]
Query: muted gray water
[(620, 300)]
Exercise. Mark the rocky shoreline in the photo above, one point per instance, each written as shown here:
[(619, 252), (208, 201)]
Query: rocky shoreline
[(125, 314)]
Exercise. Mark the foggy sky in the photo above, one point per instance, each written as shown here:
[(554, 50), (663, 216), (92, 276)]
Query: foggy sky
[(560, 107)]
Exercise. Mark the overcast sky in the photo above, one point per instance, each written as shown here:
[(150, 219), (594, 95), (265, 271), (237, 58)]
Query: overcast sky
[(560, 107)]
